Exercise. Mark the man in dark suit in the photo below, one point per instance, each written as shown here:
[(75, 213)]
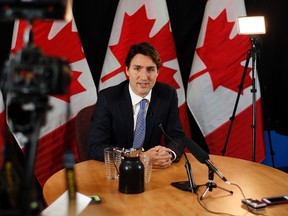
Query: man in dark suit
[(114, 119)]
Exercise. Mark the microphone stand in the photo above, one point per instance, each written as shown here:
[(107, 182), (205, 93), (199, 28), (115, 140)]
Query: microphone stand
[(186, 185), (210, 184), (203, 157), (183, 185)]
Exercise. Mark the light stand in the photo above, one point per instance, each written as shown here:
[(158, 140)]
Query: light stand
[(254, 53), (252, 26)]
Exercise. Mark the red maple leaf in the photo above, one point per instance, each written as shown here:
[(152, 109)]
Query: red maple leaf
[(65, 44), (135, 29), (223, 56), (74, 87)]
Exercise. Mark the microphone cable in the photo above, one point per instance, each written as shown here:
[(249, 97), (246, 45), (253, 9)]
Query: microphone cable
[(188, 167), (225, 213)]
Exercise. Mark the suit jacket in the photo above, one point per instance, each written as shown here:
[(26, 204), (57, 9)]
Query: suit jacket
[(112, 122)]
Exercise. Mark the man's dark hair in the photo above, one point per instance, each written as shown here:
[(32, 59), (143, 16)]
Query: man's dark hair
[(146, 49)]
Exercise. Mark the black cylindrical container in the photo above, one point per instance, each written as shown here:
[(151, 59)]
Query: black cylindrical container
[(131, 175)]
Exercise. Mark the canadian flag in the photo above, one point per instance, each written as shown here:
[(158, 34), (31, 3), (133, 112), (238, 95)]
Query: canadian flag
[(59, 39), (138, 21), (216, 73)]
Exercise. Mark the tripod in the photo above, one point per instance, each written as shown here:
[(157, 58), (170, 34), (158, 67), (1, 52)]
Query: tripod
[(210, 184), (27, 122), (254, 54)]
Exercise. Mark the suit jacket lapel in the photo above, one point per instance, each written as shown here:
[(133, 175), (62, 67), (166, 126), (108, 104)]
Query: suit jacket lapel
[(126, 111), (151, 120)]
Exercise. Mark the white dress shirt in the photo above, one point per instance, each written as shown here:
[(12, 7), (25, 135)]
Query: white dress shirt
[(136, 103)]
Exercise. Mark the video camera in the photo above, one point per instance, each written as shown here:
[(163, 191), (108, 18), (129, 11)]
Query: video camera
[(29, 76), (31, 72)]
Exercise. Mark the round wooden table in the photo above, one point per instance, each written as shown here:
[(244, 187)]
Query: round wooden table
[(160, 198)]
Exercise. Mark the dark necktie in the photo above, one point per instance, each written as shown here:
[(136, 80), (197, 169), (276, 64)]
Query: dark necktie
[(139, 134)]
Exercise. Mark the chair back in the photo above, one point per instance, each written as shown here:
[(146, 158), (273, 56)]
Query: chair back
[(82, 124)]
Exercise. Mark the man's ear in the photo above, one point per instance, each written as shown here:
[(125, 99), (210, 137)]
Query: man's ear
[(126, 71)]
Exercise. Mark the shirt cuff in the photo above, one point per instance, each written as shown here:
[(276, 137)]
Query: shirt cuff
[(174, 156)]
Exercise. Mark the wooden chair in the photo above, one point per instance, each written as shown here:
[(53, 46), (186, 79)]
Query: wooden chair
[(82, 124)]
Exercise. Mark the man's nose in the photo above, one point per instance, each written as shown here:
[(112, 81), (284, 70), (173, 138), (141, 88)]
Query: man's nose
[(144, 74)]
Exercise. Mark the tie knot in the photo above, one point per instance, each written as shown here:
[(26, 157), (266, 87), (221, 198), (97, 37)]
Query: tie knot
[(142, 104)]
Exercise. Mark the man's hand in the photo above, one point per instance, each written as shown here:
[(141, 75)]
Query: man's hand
[(161, 157)]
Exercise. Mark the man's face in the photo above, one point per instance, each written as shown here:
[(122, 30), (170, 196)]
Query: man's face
[(142, 74)]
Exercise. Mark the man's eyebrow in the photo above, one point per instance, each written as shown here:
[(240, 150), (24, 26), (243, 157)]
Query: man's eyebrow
[(137, 65), (141, 66)]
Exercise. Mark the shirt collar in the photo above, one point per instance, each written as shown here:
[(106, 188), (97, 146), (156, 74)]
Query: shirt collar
[(136, 99)]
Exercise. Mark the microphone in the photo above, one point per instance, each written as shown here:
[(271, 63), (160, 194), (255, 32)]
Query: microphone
[(165, 134), (203, 157), (183, 185)]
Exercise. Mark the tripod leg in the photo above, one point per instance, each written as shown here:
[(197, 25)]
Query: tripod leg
[(240, 89), (204, 193), (229, 191), (210, 185)]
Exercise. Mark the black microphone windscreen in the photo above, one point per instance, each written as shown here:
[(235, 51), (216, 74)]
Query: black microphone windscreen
[(196, 150)]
